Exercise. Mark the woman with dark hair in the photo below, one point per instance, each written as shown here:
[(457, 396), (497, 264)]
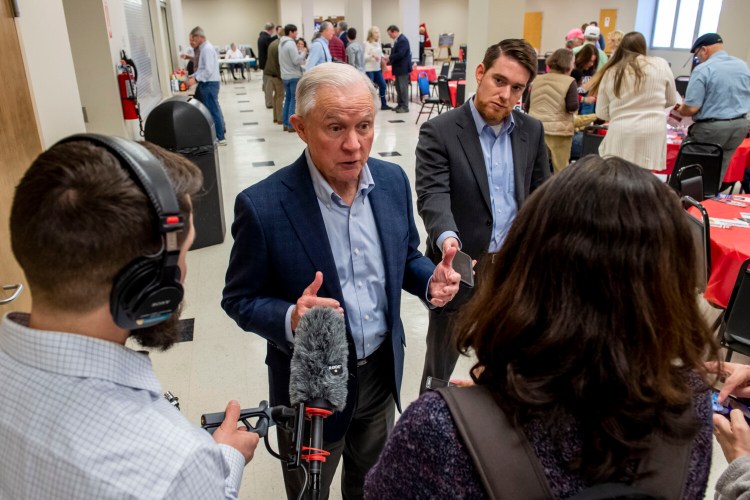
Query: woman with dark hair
[(633, 90), (553, 100), (588, 341), (585, 64)]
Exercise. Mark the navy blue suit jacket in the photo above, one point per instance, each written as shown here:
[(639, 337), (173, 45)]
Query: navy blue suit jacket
[(400, 57), (280, 241)]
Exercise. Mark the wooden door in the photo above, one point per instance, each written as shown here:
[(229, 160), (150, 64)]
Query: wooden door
[(607, 24), (20, 143), (532, 29)]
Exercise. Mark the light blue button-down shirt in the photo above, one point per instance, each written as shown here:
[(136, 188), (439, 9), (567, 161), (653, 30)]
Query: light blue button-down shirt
[(319, 53), (720, 86), (85, 418), (355, 244), (208, 64), (498, 162)]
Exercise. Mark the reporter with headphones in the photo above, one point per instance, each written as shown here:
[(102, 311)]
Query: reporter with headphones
[(101, 228)]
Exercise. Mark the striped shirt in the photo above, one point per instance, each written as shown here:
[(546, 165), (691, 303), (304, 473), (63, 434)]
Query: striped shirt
[(85, 418)]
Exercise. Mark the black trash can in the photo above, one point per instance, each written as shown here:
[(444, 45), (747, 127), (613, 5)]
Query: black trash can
[(184, 125)]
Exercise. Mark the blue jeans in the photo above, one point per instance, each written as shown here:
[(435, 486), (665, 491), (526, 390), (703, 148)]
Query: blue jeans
[(290, 101), (209, 96), (377, 79)]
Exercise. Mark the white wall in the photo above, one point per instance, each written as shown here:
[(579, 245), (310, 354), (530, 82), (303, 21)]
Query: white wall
[(92, 59), (560, 16), (446, 16), (227, 21), (329, 8), (52, 78), (385, 13)]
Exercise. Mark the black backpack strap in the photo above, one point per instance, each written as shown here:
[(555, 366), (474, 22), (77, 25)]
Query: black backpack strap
[(503, 457)]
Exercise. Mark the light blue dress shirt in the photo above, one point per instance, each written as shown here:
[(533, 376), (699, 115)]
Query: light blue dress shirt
[(720, 86), (355, 244), (85, 418), (498, 162), (319, 53), (208, 64)]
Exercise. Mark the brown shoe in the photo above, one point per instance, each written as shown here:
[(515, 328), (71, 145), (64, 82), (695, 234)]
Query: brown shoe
[(291, 129), (286, 129)]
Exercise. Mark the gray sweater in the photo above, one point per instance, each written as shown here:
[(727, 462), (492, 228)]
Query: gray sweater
[(734, 483), (290, 59), (355, 55)]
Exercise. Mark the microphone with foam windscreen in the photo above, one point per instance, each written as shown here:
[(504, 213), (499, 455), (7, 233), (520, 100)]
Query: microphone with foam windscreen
[(318, 378)]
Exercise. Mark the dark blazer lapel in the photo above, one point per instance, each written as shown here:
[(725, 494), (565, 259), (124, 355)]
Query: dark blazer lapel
[(301, 208), (469, 140), (518, 143), (386, 215)]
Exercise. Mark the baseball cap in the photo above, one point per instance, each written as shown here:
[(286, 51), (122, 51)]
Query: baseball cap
[(591, 32), (707, 39), (573, 34)]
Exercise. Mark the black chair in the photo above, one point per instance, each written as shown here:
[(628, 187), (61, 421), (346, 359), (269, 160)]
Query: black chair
[(459, 71), (709, 157), (460, 94), (541, 65), (700, 231), (681, 82), (444, 71), (734, 332), (688, 181), (442, 101), (592, 140)]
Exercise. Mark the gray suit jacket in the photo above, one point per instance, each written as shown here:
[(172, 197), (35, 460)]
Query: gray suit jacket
[(451, 179)]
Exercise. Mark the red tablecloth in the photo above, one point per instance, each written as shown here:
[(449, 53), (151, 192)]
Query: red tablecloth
[(737, 165), (729, 249), (431, 73)]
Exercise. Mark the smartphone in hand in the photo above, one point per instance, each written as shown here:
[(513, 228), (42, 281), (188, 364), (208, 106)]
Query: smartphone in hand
[(729, 404), (462, 264), (436, 383)]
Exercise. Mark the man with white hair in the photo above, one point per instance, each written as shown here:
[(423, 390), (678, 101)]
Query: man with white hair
[(334, 229), (319, 51), (591, 36), (207, 78)]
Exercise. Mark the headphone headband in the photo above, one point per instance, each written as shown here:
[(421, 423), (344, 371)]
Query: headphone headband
[(146, 170)]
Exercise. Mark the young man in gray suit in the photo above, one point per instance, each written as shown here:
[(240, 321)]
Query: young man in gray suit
[(476, 164)]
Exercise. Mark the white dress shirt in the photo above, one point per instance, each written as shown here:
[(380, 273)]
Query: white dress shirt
[(85, 418)]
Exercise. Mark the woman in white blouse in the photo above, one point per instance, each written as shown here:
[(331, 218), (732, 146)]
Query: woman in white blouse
[(373, 62), (633, 91)]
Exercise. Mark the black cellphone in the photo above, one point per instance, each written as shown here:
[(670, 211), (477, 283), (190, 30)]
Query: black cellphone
[(462, 264), (436, 383), (729, 404)]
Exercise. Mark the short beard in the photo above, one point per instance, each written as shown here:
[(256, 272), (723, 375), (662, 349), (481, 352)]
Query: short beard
[(161, 336)]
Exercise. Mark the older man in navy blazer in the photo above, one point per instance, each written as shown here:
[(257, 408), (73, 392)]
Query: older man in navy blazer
[(334, 229), (400, 60)]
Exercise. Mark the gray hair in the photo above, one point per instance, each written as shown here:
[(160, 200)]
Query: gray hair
[(197, 31), (269, 26), (324, 26), (338, 76), (343, 26)]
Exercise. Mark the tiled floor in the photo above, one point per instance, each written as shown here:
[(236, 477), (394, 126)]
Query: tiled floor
[(223, 362)]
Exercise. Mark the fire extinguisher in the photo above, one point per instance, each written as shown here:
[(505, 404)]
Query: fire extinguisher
[(127, 77), (126, 80)]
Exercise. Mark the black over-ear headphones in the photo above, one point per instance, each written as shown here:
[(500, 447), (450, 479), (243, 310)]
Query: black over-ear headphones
[(147, 290)]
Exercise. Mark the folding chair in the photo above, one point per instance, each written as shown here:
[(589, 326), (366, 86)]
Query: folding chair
[(734, 332), (459, 71), (688, 181), (709, 157), (443, 100), (460, 94), (700, 231), (444, 71)]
